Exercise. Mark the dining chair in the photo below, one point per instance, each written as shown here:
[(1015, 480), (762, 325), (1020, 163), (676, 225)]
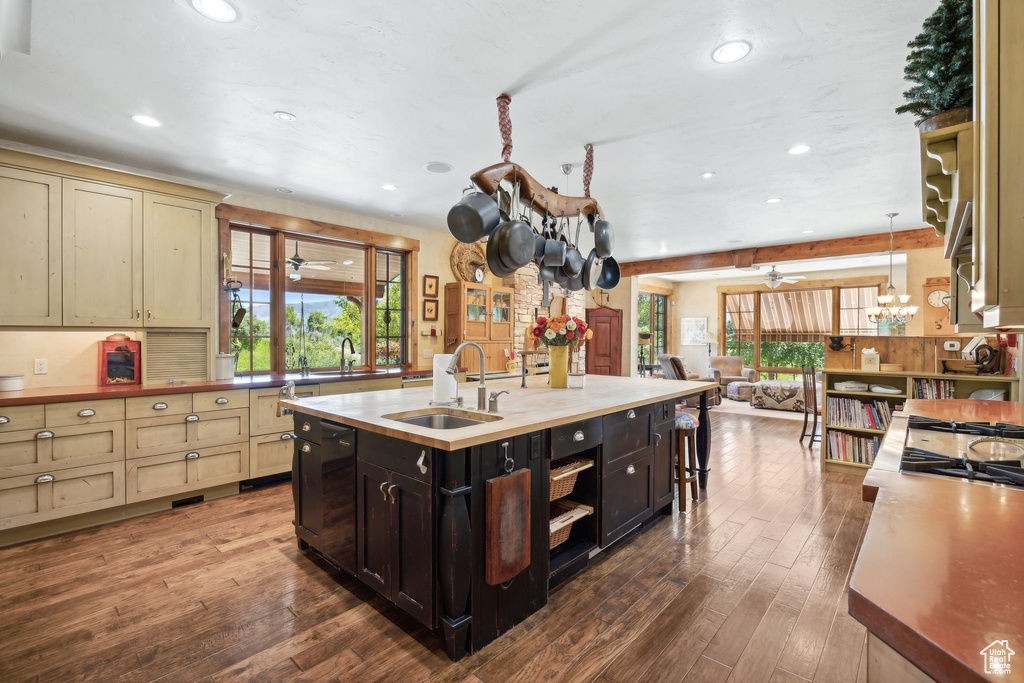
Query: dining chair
[(811, 407)]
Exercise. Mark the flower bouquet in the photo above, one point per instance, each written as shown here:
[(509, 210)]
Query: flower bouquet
[(561, 333)]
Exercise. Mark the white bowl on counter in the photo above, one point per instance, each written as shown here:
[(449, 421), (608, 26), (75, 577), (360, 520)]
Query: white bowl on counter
[(12, 382)]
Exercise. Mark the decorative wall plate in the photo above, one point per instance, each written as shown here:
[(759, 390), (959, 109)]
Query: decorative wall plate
[(467, 259)]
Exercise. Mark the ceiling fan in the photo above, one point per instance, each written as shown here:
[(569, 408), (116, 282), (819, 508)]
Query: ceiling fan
[(298, 262), (774, 278)]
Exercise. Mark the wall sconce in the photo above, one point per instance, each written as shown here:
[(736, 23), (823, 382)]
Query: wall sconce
[(836, 344)]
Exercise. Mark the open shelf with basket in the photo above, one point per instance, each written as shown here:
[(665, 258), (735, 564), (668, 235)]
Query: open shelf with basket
[(573, 524)]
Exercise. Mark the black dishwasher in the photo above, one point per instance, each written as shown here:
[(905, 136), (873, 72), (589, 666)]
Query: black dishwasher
[(324, 488)]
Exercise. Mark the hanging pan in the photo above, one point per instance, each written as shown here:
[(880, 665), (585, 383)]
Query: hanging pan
[(609, 274), (474, 217), (604, 240), (592, 270)]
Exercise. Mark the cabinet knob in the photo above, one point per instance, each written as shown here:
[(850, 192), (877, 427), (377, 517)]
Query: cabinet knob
[(86, 412), (422, 462), (192, 418), (630, 470), (390, 489), (578, 436), (192, 456), (159, 405), (306, 427), (45, 435), (288, 435), (306, 448), (631, 414), (382, 485), (4, 419), (221, 401), (44, 479)]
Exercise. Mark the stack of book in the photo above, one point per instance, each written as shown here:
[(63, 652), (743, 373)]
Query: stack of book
[(934, 388), (850, 412), (851, 448)]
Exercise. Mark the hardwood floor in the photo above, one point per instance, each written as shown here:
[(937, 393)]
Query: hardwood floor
[(749, 585)]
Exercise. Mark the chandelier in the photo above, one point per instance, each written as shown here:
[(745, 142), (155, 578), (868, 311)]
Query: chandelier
[(891, 308)]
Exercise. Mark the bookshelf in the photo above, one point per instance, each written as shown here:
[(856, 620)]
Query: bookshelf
[(837, 427)]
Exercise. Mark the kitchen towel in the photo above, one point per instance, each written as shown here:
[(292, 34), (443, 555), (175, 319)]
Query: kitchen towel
[(445, 385)]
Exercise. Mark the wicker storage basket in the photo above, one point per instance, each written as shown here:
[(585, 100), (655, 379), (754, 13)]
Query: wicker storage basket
[(563, 478), (565, 513)]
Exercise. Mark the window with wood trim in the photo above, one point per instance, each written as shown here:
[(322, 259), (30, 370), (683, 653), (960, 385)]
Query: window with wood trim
[(249, 313), (652, 319), (390, 309)]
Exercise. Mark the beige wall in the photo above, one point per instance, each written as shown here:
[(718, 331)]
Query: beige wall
[(71, 355)]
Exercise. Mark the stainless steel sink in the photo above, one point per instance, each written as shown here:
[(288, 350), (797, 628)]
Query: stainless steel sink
[(442, 418)]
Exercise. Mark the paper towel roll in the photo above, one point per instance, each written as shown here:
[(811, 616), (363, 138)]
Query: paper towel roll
[(445, 385)]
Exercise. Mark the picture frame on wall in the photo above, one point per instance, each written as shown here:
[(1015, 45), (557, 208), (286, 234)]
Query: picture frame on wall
[(694, 331), (430, 310), (430, 286)]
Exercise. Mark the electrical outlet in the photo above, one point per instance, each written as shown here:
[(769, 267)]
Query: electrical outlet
[(428, 353), (40, 366)]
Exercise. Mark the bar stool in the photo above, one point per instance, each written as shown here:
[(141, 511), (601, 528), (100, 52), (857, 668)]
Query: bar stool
[(686, 447)]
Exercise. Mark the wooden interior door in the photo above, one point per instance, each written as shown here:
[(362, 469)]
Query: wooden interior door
[(604, 351)]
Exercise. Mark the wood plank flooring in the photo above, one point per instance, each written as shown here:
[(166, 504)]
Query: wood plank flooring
[(748, 585)]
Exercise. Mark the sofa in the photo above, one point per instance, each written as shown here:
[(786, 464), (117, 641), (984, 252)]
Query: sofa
[(727, 369), (673, 368)]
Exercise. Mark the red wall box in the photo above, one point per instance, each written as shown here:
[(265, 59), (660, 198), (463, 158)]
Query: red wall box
[(120, 362)]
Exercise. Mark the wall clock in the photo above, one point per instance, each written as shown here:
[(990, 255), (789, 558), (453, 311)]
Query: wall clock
[(936, 310), (468, 262)]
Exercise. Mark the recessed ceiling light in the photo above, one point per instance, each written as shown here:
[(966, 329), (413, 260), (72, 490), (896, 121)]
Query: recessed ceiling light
[(285, 115), (707, 174), (799, 149), (347, 262), (734, 241), (218, 10), (145, 120), (389, 187), (773, 200), (663, 250), (731, 52), (438, 167), (284, 190), (806, 232)]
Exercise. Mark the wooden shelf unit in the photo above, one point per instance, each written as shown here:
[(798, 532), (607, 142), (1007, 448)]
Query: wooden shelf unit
[(964, 385)]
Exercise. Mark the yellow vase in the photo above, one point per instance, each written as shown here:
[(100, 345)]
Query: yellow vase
[(558, 366)]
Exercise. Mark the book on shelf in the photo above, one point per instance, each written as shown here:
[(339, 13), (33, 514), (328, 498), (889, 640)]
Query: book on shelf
[(858, 414), (934, 388), (846, 447)]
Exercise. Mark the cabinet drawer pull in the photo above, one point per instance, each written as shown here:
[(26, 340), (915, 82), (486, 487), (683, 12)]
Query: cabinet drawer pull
[(192, 418), (286, 436), (306, 448), (422, 462), (44, 479), (45, 435), (149, 315), (382, 485), (86, 412), (578, 436), (138, 314), (390, 489), (630, 470), (631, 414), (222, 401), (159, 405), (306, 426), (192, 456), (344, 443), (657, 439), (4, 419)]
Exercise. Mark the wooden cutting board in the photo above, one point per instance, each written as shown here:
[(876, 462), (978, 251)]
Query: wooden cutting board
[(507, 526)]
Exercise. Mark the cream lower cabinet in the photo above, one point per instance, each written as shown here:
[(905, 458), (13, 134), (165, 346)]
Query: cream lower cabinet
[(170, 474), (270, 454), (40, 498), (156, 435), (17, 418), (32, 451), (263, 417)]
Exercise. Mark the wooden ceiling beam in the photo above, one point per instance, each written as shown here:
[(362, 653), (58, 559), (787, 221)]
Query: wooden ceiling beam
[(904, 240)]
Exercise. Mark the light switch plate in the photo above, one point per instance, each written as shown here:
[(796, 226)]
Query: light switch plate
[(428, 353), (40, 366)]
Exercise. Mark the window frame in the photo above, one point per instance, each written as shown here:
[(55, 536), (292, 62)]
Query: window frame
[(654, 296)]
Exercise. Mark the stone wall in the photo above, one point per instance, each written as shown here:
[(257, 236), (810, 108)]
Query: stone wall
[(528, 295)]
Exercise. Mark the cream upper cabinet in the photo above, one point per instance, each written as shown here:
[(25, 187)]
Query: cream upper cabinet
[(30, 272), (102, 254), (177, 261)]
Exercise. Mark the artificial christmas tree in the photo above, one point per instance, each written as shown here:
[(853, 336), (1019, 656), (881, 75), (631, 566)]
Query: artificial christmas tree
[(941, 63)]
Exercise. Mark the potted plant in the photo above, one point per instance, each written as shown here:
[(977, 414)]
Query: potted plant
[(941, 65), (560, 334)]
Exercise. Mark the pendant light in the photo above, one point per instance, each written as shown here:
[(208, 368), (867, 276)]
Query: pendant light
[(891, 308)]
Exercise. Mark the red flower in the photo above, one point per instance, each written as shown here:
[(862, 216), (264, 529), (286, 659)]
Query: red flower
[(537, 332), (569, 335), (541, 320)]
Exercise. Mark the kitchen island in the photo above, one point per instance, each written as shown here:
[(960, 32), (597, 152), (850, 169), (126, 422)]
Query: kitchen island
[(940, 573), (404, 507)]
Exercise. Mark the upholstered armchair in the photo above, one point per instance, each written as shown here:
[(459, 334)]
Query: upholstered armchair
[(726, 369), (673, 368)]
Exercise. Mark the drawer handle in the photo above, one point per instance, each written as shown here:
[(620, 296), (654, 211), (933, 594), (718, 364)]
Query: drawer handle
[(160, 405), (45, 435), (221, 401), (657, 439), (192, 456), (344, 443), (306, 427), (306, 448), (286, 436), (86, 412), (630, 470), (383, 484), (390, 489), (4, 419), (631, 414), (191, 418), (44, 479), (578, 436), (422, 462)]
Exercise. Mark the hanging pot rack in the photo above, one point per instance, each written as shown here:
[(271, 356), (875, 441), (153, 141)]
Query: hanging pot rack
[(533, 194)]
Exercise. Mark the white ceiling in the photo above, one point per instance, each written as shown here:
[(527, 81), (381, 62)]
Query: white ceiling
[(381, 88), (790, 268)]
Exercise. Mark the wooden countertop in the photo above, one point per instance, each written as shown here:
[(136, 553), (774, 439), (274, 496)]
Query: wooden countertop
[(87, 392), (522, 410), (940, 573)]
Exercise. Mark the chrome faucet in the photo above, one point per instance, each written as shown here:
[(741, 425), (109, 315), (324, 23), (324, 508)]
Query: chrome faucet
[(352, 347), (492, 404), (453, 367)]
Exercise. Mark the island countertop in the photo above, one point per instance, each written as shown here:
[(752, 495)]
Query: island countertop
[(940, 573), (522, 410)]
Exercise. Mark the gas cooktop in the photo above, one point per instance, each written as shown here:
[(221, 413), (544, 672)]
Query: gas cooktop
[(972, 451)]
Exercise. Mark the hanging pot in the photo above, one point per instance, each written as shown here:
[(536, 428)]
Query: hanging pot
[(574, 263), (592, 270), (494, 261), (547, 273), (604, 240), (609, 274), (561, 279), (576, 283), (516, 244), (474, 217), (538, 248)]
